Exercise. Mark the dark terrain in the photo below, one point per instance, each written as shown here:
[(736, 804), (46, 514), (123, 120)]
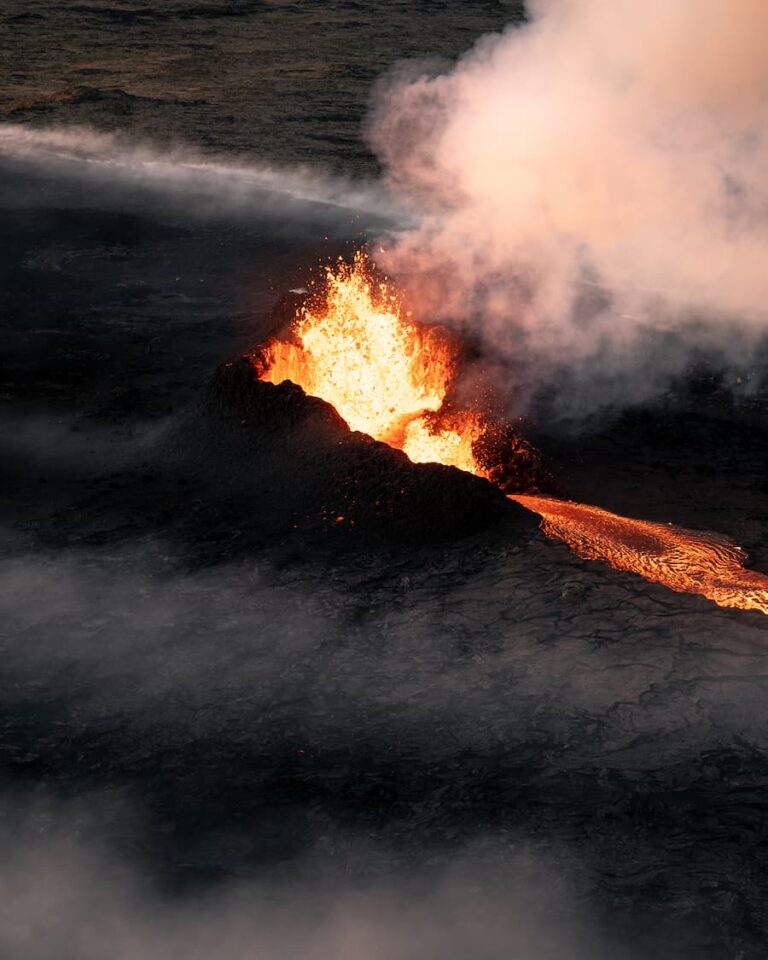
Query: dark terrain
[(283, 81), (231, 724)]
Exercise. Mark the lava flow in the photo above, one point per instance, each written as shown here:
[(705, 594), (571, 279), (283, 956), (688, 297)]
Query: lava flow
[(686, 561), (356, 348)]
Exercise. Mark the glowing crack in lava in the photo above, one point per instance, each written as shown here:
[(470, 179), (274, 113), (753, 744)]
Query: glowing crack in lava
[(387, 376)]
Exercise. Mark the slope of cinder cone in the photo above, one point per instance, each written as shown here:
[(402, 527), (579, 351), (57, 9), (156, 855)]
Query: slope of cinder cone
[(280, 464)]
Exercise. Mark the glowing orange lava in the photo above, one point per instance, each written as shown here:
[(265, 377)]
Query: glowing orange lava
[(686, 561), (389, 377), (385, 375)]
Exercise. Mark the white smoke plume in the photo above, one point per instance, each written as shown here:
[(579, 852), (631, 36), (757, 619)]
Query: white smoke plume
[(207, 184), (592, 188)]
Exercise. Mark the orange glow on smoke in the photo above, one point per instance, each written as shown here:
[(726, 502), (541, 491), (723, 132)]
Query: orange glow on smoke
[(389, 377), (385, 375)]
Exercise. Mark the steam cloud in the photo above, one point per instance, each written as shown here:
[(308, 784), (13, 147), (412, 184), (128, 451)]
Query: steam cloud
[(592, 189)]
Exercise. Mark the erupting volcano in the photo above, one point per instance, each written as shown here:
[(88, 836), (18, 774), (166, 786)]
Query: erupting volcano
[(354, 345)]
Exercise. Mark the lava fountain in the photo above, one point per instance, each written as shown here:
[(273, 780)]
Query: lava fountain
[(356, 347), (385, 375)]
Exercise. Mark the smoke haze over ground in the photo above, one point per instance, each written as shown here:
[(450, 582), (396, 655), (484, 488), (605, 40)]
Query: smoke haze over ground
[(593, 191), (63, 890), (189, 178)]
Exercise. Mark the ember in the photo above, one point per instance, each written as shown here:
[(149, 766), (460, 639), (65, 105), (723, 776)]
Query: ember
[(389, 377)]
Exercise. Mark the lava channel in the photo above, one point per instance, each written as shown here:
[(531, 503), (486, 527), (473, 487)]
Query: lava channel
[(685, 561)]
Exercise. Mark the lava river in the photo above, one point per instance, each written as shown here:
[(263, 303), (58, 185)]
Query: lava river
[(353, 345), (683, 560)]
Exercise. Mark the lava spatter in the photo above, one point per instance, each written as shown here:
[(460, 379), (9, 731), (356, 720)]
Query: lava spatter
[(385, 375)]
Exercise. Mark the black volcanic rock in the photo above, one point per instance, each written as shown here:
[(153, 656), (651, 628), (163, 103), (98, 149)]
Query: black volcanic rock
[(286, 464)]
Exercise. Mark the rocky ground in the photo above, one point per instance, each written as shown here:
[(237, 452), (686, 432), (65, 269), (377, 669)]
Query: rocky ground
[(287, 82), (214, 686)]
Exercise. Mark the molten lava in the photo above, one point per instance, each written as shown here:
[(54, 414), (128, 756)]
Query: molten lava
[(387, 376), (686, 561)]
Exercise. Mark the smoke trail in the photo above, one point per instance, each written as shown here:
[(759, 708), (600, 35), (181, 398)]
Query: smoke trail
[(110, 158), (592, 188)]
